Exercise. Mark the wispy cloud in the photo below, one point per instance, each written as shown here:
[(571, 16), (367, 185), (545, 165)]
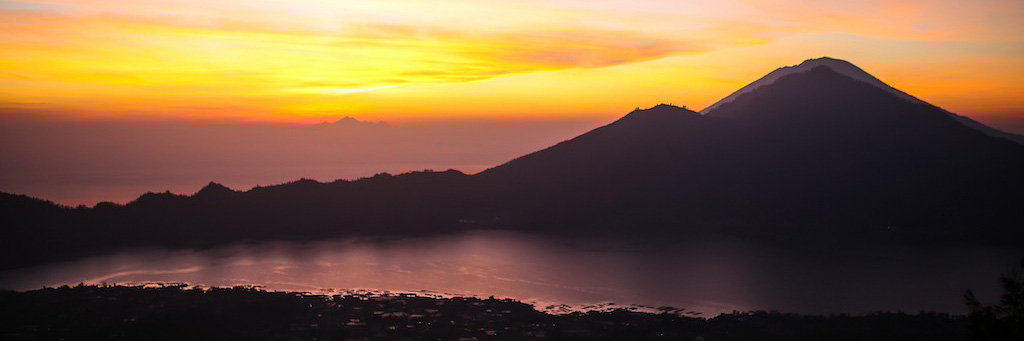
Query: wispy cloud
[(141, 55), (23, 7)]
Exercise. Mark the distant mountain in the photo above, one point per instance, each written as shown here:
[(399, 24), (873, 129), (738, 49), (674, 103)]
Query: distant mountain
[(812, 154), (848, 69), (349, 122)]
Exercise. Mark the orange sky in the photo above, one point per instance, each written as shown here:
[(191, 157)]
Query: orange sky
[(405, 60)]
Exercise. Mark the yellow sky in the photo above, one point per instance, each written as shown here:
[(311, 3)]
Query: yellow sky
[(309, 60)]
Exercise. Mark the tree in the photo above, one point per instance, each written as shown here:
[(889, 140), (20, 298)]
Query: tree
[(1003, 321)]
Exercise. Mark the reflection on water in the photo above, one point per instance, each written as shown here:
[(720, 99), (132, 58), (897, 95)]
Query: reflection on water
[(708, 275)]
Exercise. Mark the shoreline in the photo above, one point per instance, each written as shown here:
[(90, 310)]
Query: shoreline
[(176, 311)]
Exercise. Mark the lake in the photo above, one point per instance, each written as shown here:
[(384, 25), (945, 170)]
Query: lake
[(708, 275)]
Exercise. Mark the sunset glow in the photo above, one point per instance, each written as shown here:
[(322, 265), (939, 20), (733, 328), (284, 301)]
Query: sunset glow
[(401, 59)]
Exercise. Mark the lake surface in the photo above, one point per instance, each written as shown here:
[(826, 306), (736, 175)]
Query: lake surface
[(709, 275)]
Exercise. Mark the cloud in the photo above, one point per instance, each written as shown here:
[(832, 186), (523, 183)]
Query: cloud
[(269, 56), (928, 20), (211, 51), (21, 7), (522, 50)]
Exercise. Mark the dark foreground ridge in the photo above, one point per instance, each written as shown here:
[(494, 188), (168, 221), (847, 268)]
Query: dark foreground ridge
[(177, 313)]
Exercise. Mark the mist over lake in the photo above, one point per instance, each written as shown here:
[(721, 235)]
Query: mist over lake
[(705, 274)]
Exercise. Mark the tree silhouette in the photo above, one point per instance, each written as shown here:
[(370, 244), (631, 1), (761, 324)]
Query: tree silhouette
[(1003, 321)]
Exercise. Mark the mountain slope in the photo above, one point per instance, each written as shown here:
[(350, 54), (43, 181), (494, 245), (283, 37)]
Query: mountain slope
[(613, 172), (848, 69), (37, 231), (813, 148), (840, 66), (872, 150)]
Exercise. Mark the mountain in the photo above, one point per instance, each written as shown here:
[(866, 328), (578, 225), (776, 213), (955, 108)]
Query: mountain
[(807, 150), (351, 122), (37, 231), (848, 69), (838, 65), (813, 153)]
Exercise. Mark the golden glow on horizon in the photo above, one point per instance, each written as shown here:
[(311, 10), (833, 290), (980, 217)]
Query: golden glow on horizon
[(405, 59)]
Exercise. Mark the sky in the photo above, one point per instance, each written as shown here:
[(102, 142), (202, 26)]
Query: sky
[(105, 100), (406, 60), (89, 162)]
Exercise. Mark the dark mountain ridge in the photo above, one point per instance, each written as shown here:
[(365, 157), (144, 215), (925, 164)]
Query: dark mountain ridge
[(415, 203), (815, 147), (813, 154), (848, 69)]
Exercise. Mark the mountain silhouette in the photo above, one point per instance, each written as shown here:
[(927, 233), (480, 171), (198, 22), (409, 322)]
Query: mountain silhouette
[(215, 190), (352, 122), (810, 149), (848, 69), (838, 65), (811, 153)]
